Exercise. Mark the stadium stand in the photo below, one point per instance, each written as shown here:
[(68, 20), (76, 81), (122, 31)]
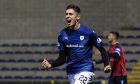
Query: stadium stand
[(28, 31), (22, 61)]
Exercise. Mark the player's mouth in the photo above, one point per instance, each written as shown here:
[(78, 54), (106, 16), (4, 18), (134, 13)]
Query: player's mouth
[(69, 21)]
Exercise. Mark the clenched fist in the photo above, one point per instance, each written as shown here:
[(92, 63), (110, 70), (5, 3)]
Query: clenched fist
[(46, 64)]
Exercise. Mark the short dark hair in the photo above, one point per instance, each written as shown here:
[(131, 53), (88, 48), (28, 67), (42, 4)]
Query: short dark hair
[(74, 7), (116, 34)]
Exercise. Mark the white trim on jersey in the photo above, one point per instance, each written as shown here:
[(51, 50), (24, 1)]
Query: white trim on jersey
[(117, 49), (118, 52)]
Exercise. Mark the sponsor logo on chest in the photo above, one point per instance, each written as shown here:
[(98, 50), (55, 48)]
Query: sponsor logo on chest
[(76, 42)]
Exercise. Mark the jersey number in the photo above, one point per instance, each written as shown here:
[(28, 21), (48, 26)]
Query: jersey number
[(83, 79)]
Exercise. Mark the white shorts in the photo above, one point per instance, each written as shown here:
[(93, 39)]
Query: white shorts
[(81, 78)]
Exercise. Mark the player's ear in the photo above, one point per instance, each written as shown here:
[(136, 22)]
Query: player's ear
[(78, 17)]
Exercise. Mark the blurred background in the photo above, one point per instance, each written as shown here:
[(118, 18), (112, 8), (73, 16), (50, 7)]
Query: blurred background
[(29, 30)]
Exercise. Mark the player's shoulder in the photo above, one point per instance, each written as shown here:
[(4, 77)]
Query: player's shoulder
[(118, 45), (63, 31), (87, 29)]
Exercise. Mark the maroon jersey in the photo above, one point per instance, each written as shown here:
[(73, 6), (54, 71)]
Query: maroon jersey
[(117, 64)]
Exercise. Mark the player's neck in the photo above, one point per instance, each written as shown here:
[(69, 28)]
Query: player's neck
[(76, 26), (114, 42)]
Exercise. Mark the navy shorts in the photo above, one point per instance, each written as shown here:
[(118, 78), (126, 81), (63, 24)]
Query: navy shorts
[(117, 80)]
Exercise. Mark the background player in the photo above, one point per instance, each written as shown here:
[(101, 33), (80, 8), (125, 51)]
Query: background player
[(75, 49), (117, 60)]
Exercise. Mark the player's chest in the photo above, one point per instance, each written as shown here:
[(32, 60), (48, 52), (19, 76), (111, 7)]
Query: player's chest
[(76, 39), (112, 49)]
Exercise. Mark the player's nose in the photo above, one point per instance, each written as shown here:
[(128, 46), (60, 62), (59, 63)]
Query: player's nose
[(67, 16)]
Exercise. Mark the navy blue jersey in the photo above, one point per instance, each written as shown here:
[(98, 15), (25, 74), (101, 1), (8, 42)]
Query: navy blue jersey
[(78, 45)]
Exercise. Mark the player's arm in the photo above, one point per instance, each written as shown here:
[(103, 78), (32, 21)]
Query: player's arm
[(62, 56), (98, 44), (58, 62), (116, 53), (96, 41), (105, 57), (100, 60)]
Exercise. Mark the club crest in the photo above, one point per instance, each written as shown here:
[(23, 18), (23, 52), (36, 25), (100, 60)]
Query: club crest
[(81, 38)]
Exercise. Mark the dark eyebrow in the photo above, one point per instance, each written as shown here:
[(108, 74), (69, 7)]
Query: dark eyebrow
[(68, 13)]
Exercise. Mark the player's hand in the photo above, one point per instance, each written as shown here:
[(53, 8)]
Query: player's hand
[(46, 64), (107, 69)]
